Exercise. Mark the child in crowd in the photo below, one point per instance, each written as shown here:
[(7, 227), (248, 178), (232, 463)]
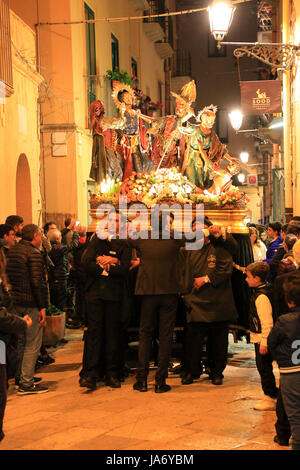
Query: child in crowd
[(284, 343), (260, 324)]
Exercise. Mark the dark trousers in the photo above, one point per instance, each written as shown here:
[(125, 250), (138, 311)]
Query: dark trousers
[(3, 395), (265, 370), (290, 389), (102, 339), (282, 425), (152, 307), (196, 332), (80, 302), (58, 294)]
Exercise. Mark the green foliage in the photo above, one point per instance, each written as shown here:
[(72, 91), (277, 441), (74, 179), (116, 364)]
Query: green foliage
[(120, 76), (52, 311)]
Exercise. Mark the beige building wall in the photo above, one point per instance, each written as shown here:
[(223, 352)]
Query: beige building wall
[(64, 117), (19, 131)]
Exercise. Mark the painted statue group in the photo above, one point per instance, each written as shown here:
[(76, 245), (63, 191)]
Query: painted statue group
[(135, 142)]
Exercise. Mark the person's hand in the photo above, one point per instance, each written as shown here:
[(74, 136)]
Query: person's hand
[(263, 349), (72, 224), (77, 228), (42, 317), (27, 320), (199, 282), (134, 263), (104, 259)]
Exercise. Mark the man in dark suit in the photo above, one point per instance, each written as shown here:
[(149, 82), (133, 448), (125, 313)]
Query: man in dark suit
[(158, 285), (107, 263)]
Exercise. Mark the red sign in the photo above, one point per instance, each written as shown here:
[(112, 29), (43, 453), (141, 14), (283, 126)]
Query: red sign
[(252, 179), (261, 97)]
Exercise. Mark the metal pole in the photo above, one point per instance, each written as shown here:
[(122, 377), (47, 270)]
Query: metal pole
[(287, 116)]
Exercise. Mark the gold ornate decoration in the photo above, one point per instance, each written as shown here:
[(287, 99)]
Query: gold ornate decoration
[(119, 87), (279, 56)]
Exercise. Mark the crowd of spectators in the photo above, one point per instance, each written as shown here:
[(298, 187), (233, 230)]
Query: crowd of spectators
[(99, 281)]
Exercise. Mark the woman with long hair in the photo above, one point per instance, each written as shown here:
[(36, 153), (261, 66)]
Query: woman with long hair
[(258, 247)]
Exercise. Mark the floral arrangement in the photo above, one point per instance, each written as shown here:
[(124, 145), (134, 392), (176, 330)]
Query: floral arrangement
[(165, 185), (155, 106), (120, 76), (232, 198)]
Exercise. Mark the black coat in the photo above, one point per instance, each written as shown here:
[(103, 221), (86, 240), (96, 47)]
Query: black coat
[(158, 272), (109, 287), (10, 324), (60, 259), (283, 341), (27, 276), (214, 301)]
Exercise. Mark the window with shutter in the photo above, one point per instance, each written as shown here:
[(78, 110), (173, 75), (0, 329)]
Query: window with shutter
[(6, 76)]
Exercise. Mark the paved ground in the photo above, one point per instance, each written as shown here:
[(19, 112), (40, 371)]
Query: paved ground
[(198, 416)]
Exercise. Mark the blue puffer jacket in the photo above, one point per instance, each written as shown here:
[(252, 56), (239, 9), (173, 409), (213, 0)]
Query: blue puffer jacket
[(284, 341), (273, 247)]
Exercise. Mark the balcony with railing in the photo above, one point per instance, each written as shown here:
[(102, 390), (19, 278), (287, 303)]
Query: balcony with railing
[(181, 69), (159, 29)]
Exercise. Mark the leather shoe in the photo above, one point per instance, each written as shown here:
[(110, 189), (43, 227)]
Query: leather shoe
[(113, 382), (88, 382), (140, 386), (162, 388), (187, 379), (217, 381)]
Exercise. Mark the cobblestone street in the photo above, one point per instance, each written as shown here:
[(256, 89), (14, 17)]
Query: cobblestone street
[(200, 416)]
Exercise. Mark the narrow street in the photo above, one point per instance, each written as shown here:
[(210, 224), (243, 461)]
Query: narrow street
[(200, 416)]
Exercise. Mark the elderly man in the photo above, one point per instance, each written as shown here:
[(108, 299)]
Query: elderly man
[(107, 263), (27, 277)]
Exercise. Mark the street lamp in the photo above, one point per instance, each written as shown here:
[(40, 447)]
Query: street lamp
[(241, 177), (220, 18), (236, 119), (244, 156)]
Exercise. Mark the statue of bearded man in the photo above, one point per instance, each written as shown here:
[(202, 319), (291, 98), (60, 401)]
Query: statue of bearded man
[(204, 152)]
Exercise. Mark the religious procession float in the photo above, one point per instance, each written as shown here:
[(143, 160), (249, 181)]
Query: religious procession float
[(166, 160), (171, 162)]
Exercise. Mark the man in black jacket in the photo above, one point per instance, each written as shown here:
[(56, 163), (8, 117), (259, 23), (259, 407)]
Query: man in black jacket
[(107, 264), (207, 278), (27, 277), (158, 285), (59, 272)]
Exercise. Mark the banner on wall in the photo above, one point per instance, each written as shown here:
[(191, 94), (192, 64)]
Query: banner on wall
[(261, 97)]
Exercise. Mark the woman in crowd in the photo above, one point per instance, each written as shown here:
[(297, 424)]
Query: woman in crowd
[(258, 247), (288, 263)]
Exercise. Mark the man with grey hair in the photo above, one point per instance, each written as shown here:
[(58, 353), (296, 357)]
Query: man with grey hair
[(26, 273)]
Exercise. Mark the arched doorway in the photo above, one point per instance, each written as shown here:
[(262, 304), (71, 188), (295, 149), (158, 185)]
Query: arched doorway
[(23, 190)]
